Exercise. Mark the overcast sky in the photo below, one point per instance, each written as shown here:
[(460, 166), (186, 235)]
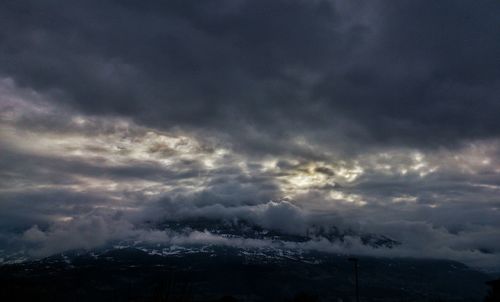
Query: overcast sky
[(379, 116)]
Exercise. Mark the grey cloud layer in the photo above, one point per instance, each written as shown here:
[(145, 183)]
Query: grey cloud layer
[(419, 73), (98, 180), (370, 115)]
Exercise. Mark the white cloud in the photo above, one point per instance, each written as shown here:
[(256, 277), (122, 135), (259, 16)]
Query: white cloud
[(71, 179)]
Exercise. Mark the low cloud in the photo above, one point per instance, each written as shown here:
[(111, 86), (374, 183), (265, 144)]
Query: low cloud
[(476, 247)]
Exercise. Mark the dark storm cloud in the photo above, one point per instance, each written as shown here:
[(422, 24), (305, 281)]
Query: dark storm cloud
[(373, 116), (431, 75), (419, 73)]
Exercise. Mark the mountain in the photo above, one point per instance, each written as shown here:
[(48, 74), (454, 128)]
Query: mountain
[(245, 229), (207, 273)]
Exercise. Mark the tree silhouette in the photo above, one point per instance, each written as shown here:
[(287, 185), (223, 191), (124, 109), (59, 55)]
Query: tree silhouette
[(494, 292)]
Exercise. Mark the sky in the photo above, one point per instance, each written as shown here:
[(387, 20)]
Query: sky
[(377, 116)]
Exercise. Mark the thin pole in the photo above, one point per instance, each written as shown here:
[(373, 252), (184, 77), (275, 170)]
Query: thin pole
[(356, 280)]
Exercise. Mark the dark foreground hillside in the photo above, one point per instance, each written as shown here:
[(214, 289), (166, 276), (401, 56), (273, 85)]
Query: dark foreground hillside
[(225, 274)]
